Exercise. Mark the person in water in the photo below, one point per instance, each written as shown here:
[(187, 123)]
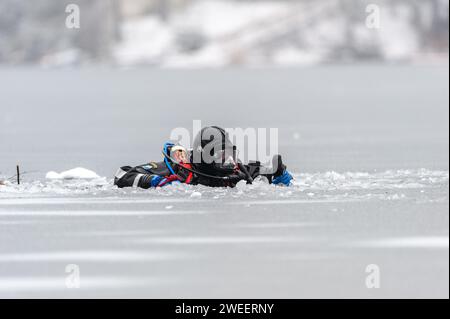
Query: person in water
[(212, 162)]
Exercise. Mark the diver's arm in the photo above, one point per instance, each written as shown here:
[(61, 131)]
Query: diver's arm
[(277, 174), (139, 177)]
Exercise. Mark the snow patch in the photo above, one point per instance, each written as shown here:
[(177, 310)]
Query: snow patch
[(196, 195), (76, 173)]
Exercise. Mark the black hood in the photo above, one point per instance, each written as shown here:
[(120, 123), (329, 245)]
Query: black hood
[(209, 144)]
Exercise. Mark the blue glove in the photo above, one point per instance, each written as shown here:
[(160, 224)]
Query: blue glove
[(284, 179), (156, 180)]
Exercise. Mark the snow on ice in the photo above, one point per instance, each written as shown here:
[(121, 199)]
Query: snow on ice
[(76, 173)]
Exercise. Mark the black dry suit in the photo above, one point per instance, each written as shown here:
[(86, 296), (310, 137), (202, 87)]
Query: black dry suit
[(143, 176), (201, 171)]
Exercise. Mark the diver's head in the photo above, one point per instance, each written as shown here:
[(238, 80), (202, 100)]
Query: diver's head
[(213, 152), (179, 154)]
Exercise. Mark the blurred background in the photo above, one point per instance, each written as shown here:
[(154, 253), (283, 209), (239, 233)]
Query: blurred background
[(217, 33)]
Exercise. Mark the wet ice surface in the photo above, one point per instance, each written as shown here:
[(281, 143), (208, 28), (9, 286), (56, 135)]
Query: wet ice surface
[(391, 184), (314, 239)]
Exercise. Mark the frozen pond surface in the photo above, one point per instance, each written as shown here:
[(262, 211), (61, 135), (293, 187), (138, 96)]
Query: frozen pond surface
[(370, 160)]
